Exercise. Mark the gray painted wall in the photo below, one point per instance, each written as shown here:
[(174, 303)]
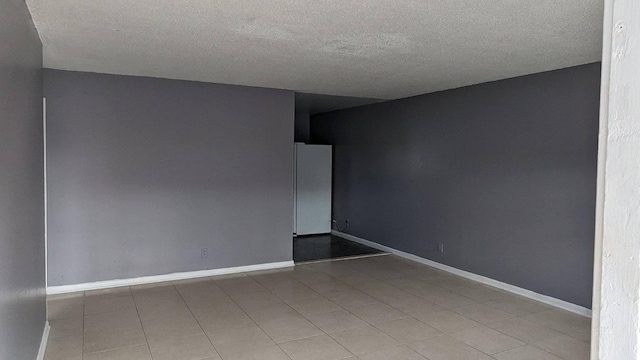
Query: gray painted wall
[(22, 274), (144, 172), (301, 130), (502, 173)]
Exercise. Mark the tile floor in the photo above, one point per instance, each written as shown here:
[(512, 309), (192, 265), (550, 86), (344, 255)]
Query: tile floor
[(375, 308)]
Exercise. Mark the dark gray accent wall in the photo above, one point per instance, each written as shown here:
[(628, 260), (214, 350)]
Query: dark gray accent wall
[(22, 273), (502, 173), (301, 132), (143, 173)]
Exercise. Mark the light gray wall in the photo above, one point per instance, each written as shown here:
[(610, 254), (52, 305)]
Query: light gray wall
[(22, 274), (502, 173), (144, 172)]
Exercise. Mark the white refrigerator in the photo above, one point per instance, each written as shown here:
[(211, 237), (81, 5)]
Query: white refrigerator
[(312, 189)]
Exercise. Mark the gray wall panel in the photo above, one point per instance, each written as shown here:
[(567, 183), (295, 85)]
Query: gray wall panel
[(144, 172), (22, 274), (502, 173)]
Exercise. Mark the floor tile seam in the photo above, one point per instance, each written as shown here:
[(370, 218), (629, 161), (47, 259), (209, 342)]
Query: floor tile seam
[(142, 326), (258, 325), (199, 324)]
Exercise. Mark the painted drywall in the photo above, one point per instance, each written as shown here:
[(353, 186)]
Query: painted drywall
[(301, 132), (22, 273), (143, 173), (616, 325), (502, 173)]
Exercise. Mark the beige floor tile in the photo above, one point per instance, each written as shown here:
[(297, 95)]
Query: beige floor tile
[(384, 291), (196, 304), (223, 308), (241, 287), (446, 299), (155, 288), (350, 298), (152, 314), (158, 300), (398, 352), (582, 335), (110, 339), (241, 339), (487, 340), (212, 322), (525, 353), (364, 339), (476, 292), (448, 321), (275, 281), (209, 302), (320, 347), (482, 313), (290, 329), (336, 321), (65, 308), (408, 330), (111, 292), (102, 304), (256, 300), (376, 313), (314, 305), (416, 307), (112, 321), (566, 347), (71, 295), (140, 352), (66, 327), (560, 320), (446, 347), (66, 348), (271, 352), (358, 281), (294, 292), (515, 306), (184, 348), (271, 312), (172, 328), (329, 286), (525, 330)]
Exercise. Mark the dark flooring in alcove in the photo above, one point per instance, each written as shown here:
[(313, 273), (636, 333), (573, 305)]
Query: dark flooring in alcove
[(325, 247)]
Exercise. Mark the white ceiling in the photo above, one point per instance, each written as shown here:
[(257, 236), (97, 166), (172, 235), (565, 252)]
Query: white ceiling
[(383, 49)]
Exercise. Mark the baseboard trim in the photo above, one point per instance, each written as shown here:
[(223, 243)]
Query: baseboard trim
[(97, 285), (577, 309), (43, 342)]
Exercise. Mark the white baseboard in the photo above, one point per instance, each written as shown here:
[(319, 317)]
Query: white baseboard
[(577, 309), (43, 342), (97, 285)]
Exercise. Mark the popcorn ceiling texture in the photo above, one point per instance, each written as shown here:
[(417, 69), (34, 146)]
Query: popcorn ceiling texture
[(382, 49)]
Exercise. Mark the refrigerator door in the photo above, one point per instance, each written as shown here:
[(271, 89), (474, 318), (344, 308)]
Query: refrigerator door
[(313, 189)]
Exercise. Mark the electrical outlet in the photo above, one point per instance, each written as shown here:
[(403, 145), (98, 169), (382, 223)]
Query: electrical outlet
[(441, 247), (204, 252)]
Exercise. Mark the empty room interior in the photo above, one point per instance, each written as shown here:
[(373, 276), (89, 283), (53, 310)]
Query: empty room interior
[(319, 180)]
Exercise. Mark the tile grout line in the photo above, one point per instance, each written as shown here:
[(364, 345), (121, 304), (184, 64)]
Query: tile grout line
[(258, 325), (135, 304), (335, 276), (450, 309), (198, 321), (321, 296)]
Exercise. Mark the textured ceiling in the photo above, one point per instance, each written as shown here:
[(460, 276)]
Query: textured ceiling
[(382, 49)]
